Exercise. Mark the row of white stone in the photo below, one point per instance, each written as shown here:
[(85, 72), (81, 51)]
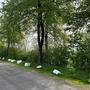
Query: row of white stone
[(27, 64), (19, 62)]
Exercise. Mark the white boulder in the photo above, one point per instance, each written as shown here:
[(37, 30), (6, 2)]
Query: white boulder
[(13, 61), (56, 72), (19, 61), (27, 64), (9, 60), (39, 66), (89, 80)]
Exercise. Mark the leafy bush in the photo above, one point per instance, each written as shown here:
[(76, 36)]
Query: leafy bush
[(82, 58), (57, 56), (26, 56), (16, 54), (33, 57), (3, 51)]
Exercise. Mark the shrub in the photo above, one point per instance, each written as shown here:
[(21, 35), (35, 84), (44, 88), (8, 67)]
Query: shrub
[(82, 58), (3, 52), (57, 56)]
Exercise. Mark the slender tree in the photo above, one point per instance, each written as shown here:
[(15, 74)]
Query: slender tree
[(42, 14)]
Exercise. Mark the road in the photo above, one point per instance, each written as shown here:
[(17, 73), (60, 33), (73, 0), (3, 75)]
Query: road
[(15, 78)]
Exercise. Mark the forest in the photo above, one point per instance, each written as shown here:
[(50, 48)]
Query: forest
[(52, 33)]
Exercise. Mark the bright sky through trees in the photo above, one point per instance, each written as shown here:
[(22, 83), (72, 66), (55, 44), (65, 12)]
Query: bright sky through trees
[(1, 2)]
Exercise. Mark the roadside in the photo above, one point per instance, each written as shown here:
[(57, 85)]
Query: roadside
[(16, 78), (44, 74)]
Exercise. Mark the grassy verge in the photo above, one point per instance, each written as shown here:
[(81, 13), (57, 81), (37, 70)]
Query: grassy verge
[(71, 76)]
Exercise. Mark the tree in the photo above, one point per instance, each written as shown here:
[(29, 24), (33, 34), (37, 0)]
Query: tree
[(44, 15), (10, 30)]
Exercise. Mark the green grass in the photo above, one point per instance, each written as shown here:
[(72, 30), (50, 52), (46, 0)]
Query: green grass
[(70, 75)]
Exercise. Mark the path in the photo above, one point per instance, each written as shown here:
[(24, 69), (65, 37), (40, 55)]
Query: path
[(14, 78)]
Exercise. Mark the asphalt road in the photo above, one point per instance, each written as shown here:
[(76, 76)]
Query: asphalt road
[(14, 78)]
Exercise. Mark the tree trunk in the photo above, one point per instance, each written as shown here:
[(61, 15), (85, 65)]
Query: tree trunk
[(46, 41), (40, 33)]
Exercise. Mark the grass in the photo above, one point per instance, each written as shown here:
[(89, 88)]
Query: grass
[(70, 75)]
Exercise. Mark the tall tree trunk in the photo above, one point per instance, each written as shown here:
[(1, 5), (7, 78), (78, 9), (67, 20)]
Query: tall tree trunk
[(46, 41), (38, 37), (40, 33)]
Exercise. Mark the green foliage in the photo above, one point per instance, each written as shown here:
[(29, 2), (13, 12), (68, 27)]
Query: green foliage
[(57, 56), (2, 51), (77, 77), (21, 15), (31, 56), (82, 58)]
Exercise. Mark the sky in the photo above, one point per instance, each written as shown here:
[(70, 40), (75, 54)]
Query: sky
[(1, 2)]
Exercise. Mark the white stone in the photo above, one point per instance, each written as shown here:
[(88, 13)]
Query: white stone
[(56, 72), (27, 64), (19, 61), (89, 80), (39, 66), (3, 58), (13, 61), (9, 60)]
